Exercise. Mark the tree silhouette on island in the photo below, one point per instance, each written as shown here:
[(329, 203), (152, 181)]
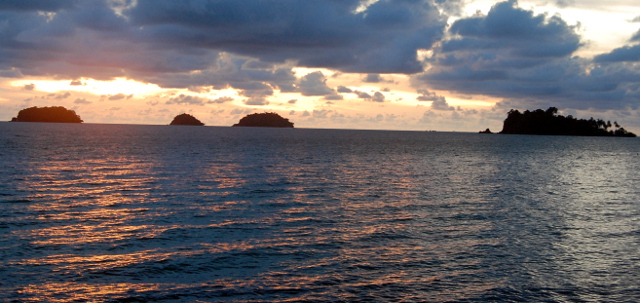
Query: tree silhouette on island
[(264, 120), (53, 114), (541, 122), (186, 119)]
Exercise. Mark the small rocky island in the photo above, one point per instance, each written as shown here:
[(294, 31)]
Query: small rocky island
[(541, 122), (264, 120), (186, 119), (54, 114)]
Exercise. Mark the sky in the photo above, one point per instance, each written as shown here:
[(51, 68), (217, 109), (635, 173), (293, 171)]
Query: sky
[(446, 65)]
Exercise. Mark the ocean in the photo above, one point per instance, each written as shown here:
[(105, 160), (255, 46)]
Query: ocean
[(134, 213)]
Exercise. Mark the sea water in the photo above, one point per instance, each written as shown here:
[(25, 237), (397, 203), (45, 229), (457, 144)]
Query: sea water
[(123, 213)]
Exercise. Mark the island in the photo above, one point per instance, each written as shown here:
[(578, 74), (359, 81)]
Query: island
[(55, 114), (264, 120), (541, 122), (186, 119)]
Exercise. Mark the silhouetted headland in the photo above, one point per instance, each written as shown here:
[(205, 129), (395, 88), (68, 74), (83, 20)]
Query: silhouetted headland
[(264, 120), (186, 119), (57, 114), (486, 131), (541, 122)]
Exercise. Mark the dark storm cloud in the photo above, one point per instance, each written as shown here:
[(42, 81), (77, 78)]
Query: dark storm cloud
[(36, 5), (144, 39), (519, 31), (513, 54), (87, 39), (628, 53), (228, 71), (323, 33)]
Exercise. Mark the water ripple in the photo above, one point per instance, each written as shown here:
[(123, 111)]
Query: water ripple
[(112, 213)]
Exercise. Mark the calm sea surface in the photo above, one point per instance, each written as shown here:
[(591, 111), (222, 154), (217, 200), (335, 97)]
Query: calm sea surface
[(120, 213)]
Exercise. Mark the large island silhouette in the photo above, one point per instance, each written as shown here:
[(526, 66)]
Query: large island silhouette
[(541, 122), (186, 119), (56, 114), (264, 120)]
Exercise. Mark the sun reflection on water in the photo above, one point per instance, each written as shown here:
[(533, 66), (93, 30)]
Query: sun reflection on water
[(359, 220)]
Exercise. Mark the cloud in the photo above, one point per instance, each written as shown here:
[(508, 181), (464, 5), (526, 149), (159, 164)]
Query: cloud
[(163, 40), (513, 54), (362, 95), (187, 100), (62, 96), (221, 100), (320, 114), (76, 83), (292, 101), (438, 102), (314, 84), (522, 34), (564, 3), (627, 53), (373, 78), (199, 89), (37, 5), (241, 111), (253, 46), (256, 101), (344, 89), (377, 97), (334, 97), (441, 104), (82, 101), (119, 97), (29, 86), (426, 95)]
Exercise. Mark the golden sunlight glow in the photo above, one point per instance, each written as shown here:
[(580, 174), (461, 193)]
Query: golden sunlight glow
[(303, 71), (470, 103), (97, 87)]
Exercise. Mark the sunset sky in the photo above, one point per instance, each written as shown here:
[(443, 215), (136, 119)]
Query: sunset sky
[(449, 65)]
